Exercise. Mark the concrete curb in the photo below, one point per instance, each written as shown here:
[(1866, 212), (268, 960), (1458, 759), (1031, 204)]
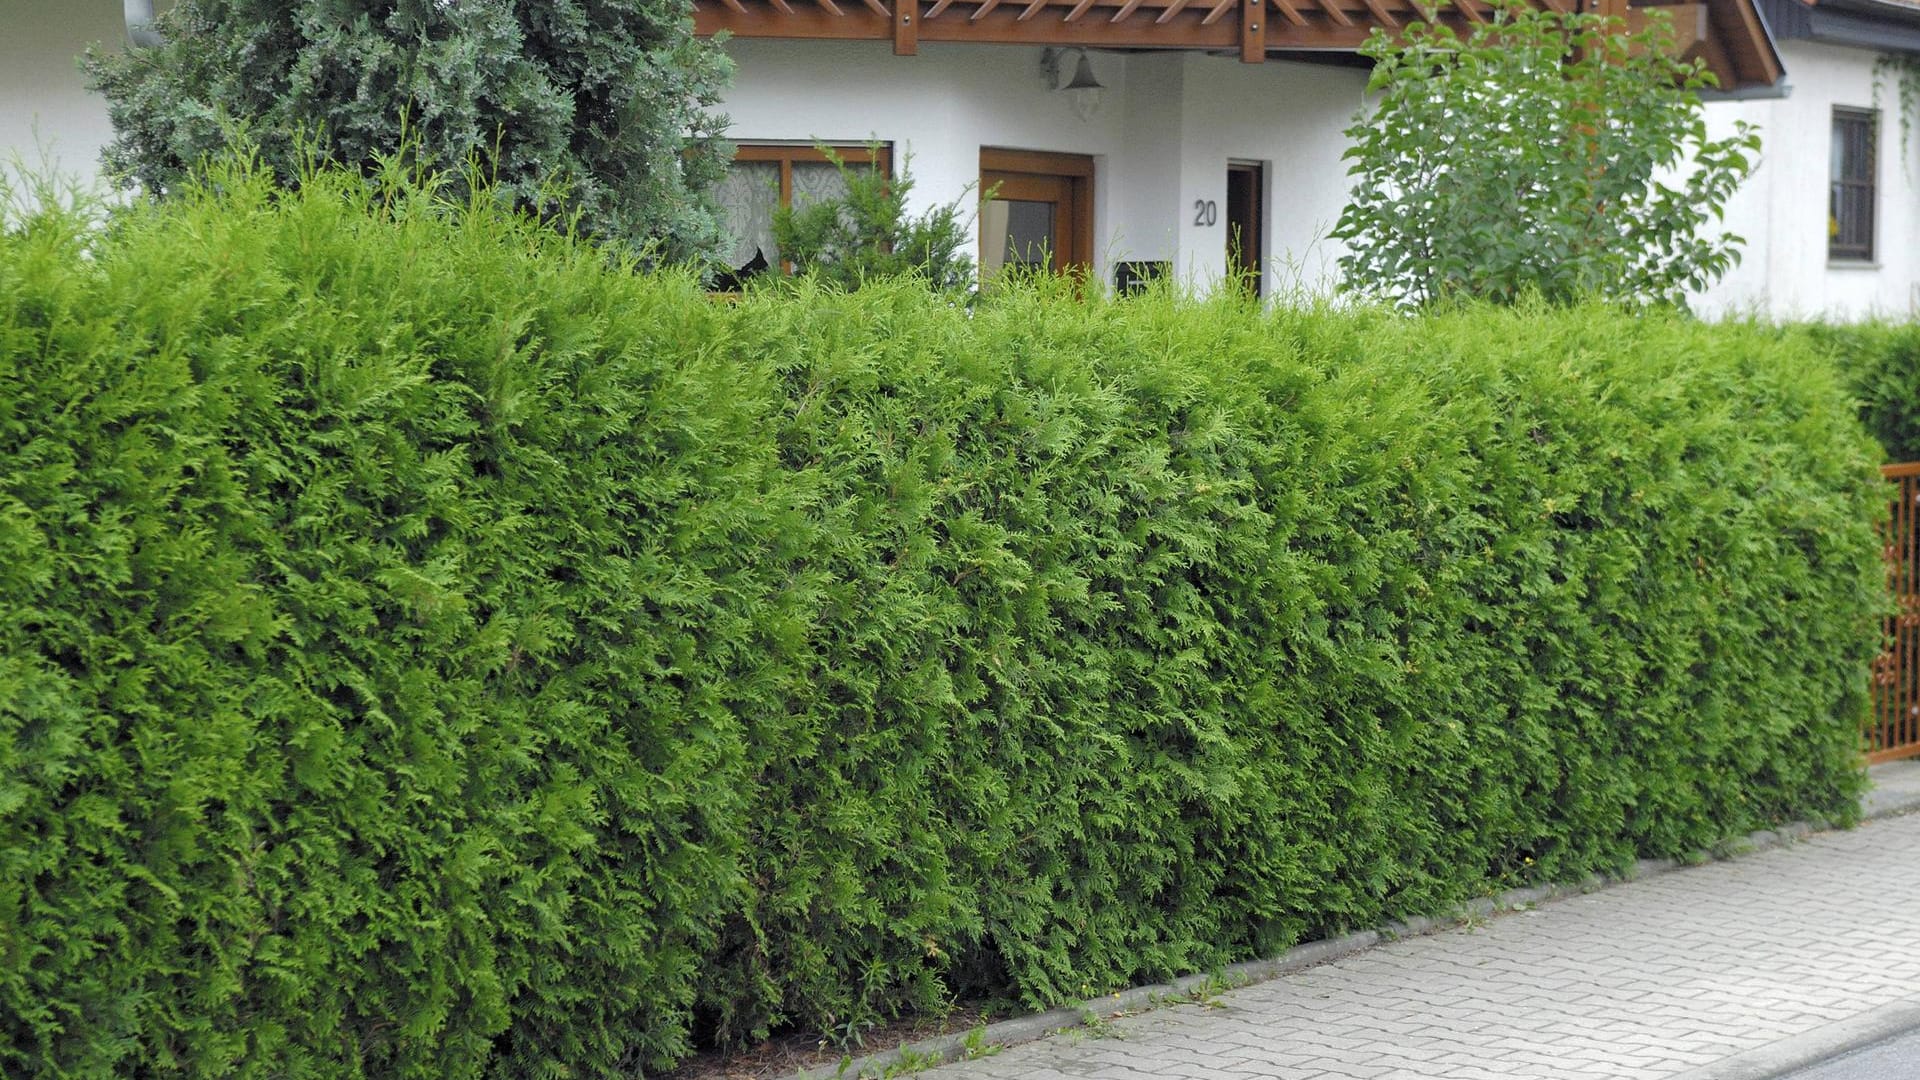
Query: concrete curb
[(1822, 1044), (1763, 1063), (1022, 1029)]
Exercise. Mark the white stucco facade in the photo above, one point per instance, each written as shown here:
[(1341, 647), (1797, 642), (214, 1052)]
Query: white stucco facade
[(1782, 211), (47, 117), (1161, 140)]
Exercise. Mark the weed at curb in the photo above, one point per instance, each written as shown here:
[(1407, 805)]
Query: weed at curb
[(1094, 1025), (977, 1045)]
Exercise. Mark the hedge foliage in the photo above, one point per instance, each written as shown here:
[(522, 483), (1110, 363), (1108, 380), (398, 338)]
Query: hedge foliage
[(1881, 362), (427, 649)]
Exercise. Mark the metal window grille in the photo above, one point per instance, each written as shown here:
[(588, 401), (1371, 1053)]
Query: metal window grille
[(1850, 205)]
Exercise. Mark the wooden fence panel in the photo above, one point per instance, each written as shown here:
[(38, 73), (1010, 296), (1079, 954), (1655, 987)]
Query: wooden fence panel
[(1895, 732)]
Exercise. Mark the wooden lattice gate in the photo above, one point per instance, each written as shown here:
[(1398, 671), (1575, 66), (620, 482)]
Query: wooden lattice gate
[(1896, 672)]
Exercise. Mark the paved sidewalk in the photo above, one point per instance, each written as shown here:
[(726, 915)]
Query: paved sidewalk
[(1736, 969)]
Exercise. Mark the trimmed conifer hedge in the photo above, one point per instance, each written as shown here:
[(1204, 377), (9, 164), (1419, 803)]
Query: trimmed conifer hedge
[(1881, 362), (427, 649)]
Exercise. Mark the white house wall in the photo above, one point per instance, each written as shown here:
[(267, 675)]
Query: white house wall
[(1145, 221), (47, 117), (1161, 140), (1783, 209), (1291, 118)]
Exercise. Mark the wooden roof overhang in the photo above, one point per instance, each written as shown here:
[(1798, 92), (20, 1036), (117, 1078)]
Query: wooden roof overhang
[(1728, 34), (1888, 26)]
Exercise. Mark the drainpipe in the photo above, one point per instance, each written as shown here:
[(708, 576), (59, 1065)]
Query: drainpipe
[(140, 28)]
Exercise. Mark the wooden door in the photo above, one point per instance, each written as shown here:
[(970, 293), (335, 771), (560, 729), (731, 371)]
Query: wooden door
[(1039, 212)]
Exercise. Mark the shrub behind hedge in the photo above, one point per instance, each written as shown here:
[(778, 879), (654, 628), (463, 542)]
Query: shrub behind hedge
[(426, 649), (1881, 362)]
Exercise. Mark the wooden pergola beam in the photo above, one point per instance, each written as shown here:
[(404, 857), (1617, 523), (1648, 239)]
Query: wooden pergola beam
[(1292, 13), (1725, 33), (1335, 12), (1381, 15), (906, 27), (1253, 31)]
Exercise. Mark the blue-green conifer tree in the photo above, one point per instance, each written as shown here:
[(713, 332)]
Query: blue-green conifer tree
[(610, 98)]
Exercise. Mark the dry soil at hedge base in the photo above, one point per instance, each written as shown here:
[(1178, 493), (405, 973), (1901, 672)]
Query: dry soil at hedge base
[(1796, 949), (812, 1053)]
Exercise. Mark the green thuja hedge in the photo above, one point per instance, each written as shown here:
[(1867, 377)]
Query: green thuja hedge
[(428, 649), (1881, 362)]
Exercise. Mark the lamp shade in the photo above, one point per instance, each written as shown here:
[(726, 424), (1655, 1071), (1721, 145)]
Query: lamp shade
[(1083, 89)]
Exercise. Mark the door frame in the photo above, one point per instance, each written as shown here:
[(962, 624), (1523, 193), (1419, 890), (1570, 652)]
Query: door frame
[(1018, 168), (1253, 245)]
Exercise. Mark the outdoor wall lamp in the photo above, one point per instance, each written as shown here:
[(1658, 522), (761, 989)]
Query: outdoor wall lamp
[(1083, 90)]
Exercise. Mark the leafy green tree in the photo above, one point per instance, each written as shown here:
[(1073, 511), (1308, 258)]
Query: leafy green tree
[(867, 234), (1547, 153), (598, 110)]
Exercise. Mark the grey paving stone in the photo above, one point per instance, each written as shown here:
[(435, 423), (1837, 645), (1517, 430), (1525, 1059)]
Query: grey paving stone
[(1645, 980)]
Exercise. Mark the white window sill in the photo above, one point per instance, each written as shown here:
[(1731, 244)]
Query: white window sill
[(1851, 264)]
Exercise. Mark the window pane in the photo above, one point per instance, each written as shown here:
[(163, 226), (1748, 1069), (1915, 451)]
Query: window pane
[(817, 181), (1863, 217), (1017, 232), (747, 198), (1850, 205)]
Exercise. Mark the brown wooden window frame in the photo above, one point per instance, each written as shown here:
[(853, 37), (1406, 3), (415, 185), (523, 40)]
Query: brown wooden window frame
[(788, 155), (1852, 196)]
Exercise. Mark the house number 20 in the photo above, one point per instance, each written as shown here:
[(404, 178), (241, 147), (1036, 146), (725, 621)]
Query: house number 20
[(1206, 212)]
